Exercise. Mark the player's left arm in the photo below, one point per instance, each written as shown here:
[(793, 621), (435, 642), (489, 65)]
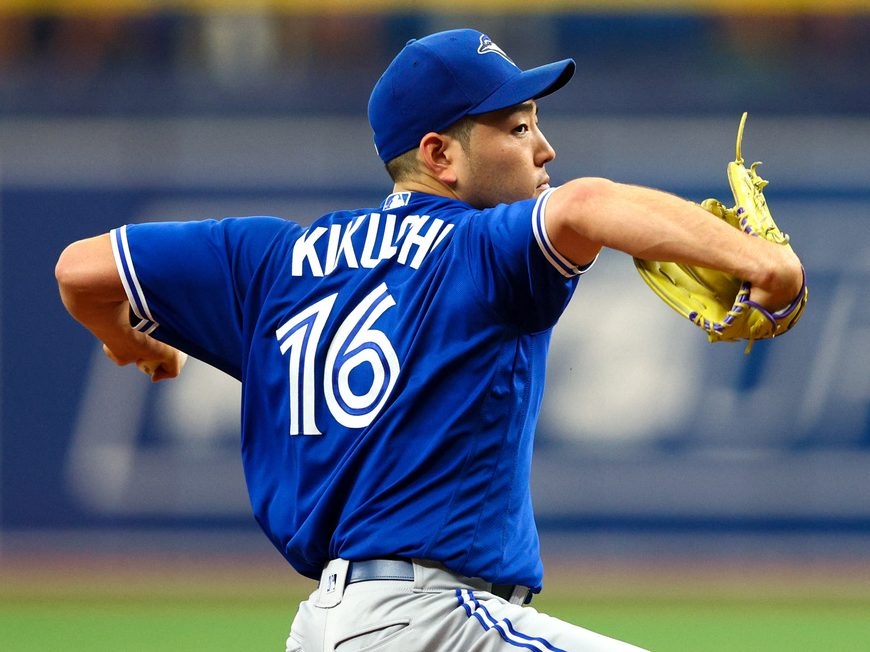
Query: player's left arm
[(92, 292), (587, 214)]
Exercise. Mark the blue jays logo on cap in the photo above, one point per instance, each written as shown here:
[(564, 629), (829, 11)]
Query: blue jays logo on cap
[(486, 45), (439, 79)]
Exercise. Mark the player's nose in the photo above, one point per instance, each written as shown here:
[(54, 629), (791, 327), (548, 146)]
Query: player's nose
[(544, 152)]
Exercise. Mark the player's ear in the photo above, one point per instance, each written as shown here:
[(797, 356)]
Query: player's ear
[(437, 156)]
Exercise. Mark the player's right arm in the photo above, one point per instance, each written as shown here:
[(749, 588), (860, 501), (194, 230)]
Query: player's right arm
[(587, 214), (92, 292)]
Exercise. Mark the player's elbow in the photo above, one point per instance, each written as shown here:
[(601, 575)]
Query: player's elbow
[(87, 267), (70, 274), (70, 271), (65, 268)]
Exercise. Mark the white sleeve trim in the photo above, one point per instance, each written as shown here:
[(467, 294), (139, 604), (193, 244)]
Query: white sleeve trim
[(124, 263), (564, 266)]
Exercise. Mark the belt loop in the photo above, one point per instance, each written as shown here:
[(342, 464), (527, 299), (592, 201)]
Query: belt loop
[(332, 583), (520, 595)]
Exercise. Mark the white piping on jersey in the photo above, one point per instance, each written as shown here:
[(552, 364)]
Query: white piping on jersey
[(124, 263), (475, 609), (565, 267)]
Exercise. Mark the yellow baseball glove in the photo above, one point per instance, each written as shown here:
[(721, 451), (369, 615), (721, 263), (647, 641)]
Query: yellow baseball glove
[(713, 300)]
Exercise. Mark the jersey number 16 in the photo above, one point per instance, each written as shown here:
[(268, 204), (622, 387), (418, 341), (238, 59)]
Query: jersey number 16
[(355, 343)]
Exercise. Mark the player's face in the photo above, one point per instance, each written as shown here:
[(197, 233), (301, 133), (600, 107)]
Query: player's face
[(505, 158)]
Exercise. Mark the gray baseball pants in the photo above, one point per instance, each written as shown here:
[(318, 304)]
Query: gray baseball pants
[(437, 611)]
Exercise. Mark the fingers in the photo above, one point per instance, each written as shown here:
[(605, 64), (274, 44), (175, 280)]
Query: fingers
[(148, 367), (156, 369), (159, 370)]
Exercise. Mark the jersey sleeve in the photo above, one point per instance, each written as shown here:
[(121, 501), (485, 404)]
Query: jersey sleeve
[(517, 269), (188, 282)]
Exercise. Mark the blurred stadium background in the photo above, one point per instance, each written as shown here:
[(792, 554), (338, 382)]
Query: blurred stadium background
[(658, 454)]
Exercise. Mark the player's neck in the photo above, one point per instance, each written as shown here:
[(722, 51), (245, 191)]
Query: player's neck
[(426, 185)]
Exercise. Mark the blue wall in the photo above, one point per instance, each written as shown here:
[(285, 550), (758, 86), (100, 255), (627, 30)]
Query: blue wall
[(647, 427)]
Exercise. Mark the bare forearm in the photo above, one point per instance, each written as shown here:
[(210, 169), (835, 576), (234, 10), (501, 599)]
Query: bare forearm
[(108, 321), (92, 292)]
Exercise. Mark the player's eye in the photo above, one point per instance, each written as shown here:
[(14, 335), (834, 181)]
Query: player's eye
[(521, 128)]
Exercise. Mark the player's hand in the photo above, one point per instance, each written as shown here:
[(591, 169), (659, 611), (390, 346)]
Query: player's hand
[(784, 280), (168, 365), (781, 297)]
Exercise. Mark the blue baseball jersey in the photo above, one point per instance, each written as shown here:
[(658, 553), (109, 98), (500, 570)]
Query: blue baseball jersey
[(392, 363)]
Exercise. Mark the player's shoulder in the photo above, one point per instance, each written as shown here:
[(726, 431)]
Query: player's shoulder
[(258, 228), (505, 220)]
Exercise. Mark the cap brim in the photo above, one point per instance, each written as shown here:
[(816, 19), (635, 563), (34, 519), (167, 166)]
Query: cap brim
[(529, 85)]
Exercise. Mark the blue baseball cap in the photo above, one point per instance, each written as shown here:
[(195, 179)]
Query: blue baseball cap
[(438, 79)]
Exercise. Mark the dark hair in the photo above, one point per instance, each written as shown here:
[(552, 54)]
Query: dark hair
[(404, 165)]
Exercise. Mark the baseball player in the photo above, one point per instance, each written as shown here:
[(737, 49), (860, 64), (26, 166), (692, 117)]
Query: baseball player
[(392, 358)]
